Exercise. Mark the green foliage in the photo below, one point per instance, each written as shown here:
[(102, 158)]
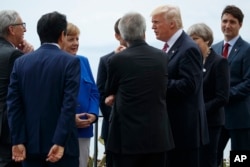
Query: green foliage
[(226, 163)]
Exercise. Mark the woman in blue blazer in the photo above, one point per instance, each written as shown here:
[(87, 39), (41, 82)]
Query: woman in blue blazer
[(88, 97), (215, 90)]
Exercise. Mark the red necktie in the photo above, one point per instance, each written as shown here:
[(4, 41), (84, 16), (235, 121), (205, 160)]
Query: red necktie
[(225, 50), (165, 47)]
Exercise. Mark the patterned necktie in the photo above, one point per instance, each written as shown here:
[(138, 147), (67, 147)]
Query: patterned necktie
[(225, 50), (165, 47)]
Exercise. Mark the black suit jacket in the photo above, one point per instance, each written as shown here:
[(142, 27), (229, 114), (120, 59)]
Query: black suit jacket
[(8, 54), (139, 121), (185, 94), (238, 109), (215, 88), (101, 80)]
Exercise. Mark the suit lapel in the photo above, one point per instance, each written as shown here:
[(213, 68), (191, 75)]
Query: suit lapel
[(218, 48), (171, 53), (235, 50), (173, 50), (208, 62)]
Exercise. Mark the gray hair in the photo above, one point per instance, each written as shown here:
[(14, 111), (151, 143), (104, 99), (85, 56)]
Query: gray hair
[(7, 17), (203, 31), (132, 26), (170, 12)]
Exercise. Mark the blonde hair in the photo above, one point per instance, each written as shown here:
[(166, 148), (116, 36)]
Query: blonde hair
[(72, 29), (170, 12)]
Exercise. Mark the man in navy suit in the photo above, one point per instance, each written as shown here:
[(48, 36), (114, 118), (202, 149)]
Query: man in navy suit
[(42, 100), (102, 75), (102, 78), (237, 112), (185, 103)]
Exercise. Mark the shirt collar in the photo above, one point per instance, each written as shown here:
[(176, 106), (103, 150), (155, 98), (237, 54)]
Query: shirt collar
[(51, 43), (173, 39), (232, 41)]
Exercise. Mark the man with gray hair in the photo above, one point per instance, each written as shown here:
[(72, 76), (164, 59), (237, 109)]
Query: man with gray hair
[(12, 46), (140, 133)]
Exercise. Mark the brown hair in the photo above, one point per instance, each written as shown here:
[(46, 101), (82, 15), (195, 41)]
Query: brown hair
[(234, 11), (116, 26)]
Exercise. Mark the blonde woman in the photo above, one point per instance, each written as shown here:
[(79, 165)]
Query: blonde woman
[(88, 97)]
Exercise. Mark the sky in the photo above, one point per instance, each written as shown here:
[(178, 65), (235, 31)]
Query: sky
[(96, 19)]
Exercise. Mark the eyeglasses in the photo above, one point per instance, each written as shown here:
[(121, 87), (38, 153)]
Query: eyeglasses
[(18, 24)]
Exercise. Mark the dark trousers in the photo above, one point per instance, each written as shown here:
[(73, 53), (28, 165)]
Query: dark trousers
[(108, 155), (139, 160), (223, 140), (109, 162), (14, 164), (239, 141), (180, 157), (10, 164), (40, 161), (208, 153), (6, 156)]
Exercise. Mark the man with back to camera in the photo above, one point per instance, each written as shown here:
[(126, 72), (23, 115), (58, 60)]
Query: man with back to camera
[(12, 46), (237, 111), (42, 100), (139, 132)]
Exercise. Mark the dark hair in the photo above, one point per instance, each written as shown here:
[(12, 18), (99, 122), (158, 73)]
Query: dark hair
[(116, 26), (50, 27), (234, 11)]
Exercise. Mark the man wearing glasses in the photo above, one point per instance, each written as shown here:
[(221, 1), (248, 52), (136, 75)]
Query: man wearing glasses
[(12, 46)]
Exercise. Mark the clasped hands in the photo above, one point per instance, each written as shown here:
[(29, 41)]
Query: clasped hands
[(84, 120)]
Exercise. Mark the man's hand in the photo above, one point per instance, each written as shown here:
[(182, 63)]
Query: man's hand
[(120, 48), (84, 120), (55, 154), (109, 101), (25, 47), (18, 152)]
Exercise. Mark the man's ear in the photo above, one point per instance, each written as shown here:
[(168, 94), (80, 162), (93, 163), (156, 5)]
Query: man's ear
[(240, 25), (117, 36), (11, 30), (61, 39)]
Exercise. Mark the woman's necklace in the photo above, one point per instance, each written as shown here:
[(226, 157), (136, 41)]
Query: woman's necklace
[(205, 57)]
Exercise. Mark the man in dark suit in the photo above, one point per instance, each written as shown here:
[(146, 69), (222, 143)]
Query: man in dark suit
[(185, 103), (42, 100), (139, 133), (237, 125), (102, 78), (12, 46), (102, 75)]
